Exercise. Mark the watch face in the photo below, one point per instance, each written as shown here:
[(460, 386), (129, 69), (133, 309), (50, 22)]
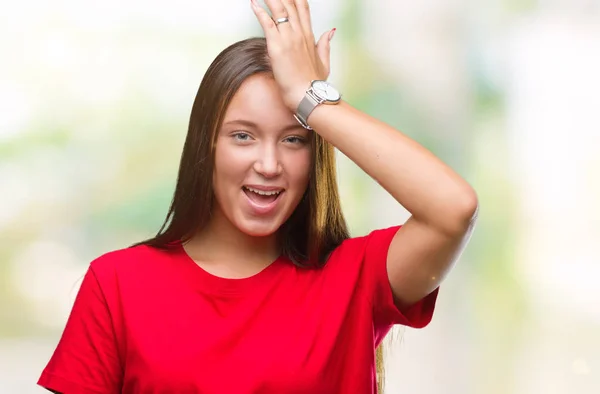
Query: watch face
[(324, 90)]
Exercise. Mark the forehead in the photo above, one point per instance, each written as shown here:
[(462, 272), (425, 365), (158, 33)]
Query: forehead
[(259, 100)]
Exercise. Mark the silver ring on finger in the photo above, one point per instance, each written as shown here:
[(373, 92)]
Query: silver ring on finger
[(279, 21)]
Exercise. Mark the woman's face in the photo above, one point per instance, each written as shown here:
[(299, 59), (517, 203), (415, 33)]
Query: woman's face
[(262, 159)]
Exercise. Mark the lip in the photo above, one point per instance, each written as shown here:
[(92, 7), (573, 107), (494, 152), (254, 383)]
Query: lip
[(260, 209)]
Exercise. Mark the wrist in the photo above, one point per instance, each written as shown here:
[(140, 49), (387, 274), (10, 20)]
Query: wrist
[(323, 114), (319, 92), (295, 96)]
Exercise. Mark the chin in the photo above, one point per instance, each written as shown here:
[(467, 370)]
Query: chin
[(259, 229)]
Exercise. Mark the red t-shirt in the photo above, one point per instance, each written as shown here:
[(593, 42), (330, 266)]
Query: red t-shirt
[(152, 321)]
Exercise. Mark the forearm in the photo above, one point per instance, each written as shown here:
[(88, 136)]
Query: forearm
[(430, 190)]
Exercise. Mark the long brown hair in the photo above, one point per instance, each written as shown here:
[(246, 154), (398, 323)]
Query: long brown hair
[(317, 225)]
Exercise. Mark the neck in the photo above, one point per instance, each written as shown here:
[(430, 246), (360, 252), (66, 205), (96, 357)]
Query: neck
[(221, 242)]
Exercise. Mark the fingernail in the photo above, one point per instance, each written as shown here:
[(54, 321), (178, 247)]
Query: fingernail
[(332, 33)]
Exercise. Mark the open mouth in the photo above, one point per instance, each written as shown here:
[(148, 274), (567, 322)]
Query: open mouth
[(262, 197)]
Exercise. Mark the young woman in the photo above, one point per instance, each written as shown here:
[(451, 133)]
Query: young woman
[(253, 284)]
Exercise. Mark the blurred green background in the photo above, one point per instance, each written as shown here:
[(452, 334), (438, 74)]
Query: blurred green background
[(94, 104)]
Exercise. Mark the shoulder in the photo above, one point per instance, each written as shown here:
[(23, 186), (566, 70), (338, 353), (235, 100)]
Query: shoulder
[(126, 261), (121, 257), (354, 250), (358, 245)]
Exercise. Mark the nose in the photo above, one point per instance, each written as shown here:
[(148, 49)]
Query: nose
[(267, 163)]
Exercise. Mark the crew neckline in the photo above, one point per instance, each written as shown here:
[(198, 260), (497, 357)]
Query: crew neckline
[(208, 282)]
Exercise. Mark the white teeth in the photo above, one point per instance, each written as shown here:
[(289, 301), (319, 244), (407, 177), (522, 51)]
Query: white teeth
[(262, 192)]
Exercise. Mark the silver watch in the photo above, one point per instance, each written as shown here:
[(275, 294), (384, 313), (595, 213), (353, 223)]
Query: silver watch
[(319, 92)]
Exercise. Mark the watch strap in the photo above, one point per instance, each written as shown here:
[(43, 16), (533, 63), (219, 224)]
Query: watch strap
[(308, 103)]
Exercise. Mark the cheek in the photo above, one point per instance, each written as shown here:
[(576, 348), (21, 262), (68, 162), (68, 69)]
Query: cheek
[(229, 170), (299, 168), (232, 161)]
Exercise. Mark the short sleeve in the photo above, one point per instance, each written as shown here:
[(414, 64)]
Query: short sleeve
[(86, 359), (385, 311)]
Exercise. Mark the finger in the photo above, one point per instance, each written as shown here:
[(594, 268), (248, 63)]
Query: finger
[(264, 19), (303, 10), (277, 9), (292, 14), (324, 48), (278, 12)]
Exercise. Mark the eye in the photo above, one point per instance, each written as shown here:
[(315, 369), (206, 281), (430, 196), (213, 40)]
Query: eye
[(241, 136), (294, 139)]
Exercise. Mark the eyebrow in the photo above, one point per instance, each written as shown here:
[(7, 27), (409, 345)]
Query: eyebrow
[(248, 123)]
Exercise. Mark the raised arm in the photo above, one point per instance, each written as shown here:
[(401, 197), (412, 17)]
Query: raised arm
[(443, 205)]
